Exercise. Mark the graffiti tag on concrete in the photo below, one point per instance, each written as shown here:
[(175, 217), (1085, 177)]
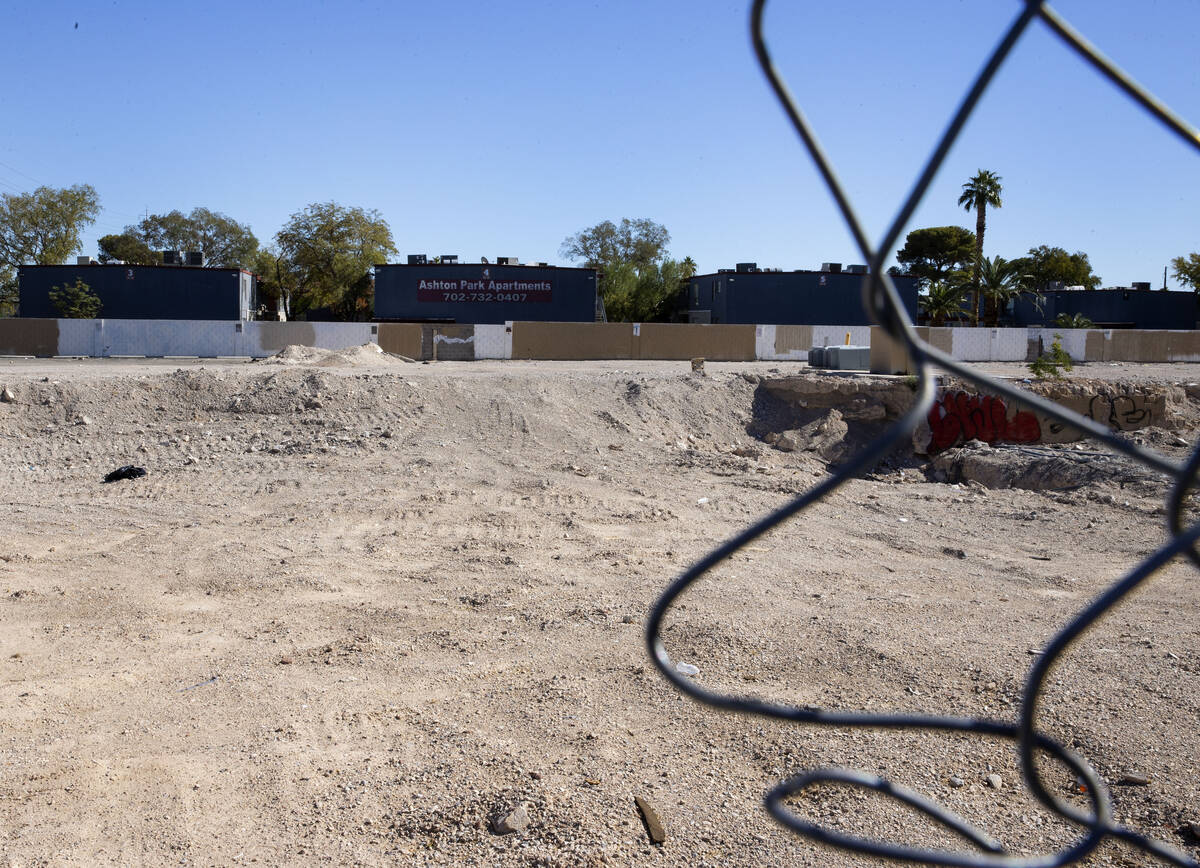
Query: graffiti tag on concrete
[(959, 417)]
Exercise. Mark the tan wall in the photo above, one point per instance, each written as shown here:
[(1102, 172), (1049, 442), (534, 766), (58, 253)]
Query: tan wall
[(274, 336), (890, 356), (400, 338), (448, 343), (568, 341), (718, 343), (790, 338), (1126, 345), (1183, 345), (28, 337)]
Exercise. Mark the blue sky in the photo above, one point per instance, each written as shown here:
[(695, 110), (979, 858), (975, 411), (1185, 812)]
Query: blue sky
[(497, 129)]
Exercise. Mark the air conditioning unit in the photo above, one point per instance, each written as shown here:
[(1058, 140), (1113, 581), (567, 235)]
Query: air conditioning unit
[(416, 259), (195, 257), (746, 267), (1141, 285), (84, 260), (449, 259), (724, 271), (507, 260), (172, 257), (856, 269), (831, 267)]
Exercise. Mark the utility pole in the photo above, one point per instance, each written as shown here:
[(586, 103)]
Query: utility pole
[(1164, 278)]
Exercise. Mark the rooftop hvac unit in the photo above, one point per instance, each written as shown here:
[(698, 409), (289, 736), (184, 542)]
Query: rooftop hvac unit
[(416, 259), (172, 257), (744, 267), (84, 260), (507, 260), (856, 269), (1141, 285), (832, 267), (724, 271), (1053, 285), (449, 259), (195, 257)]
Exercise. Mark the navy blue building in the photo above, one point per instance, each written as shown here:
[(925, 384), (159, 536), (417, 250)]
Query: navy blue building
[(483, 293), (749, 295), (144, 291), (1112, 308)]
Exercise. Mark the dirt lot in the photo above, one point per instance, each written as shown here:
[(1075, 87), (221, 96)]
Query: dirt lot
[(357, 609)]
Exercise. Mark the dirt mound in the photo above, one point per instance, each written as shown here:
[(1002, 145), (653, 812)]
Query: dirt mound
[(349, 357)]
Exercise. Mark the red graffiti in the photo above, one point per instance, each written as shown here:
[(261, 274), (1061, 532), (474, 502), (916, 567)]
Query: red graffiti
[(959, 417)]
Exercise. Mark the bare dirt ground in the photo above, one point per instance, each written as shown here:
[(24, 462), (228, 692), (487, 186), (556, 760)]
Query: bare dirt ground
[(357, 609)]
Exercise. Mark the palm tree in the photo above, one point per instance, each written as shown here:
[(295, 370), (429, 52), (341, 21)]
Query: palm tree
[(982, 190), (999, 282), (942, 301)]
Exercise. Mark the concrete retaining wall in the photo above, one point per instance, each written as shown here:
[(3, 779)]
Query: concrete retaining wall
[(575, 341)]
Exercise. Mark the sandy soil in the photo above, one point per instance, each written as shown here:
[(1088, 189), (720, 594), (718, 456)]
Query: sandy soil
[(357, 609)]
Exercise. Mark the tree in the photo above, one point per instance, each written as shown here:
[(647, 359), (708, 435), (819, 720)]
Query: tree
[(938, 254), (1073, 321), (639, 242), (980, 191), (1186, 269), (43, 227), (331, 250), (278, 279), (75, 301), (1000, 281), (1047, 264), (645, 294), (128, 249), (637, 281), (943, 300), (224, 242)]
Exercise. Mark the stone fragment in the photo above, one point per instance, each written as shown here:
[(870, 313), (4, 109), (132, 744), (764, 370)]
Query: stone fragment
[(785, 443), (1133, 779), (7, 396), (654, 826), (514, 821), (995, 781), (957, 782), (697, 366), (953, 552)]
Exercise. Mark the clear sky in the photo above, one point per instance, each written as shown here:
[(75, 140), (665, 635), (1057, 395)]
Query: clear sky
[(498, 129)]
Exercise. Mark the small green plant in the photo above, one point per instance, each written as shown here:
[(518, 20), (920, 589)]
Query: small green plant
[(1052, 363), (75, 302), (1073, 321)]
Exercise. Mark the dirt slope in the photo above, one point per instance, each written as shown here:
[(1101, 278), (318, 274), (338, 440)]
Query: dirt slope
[(357, 610)]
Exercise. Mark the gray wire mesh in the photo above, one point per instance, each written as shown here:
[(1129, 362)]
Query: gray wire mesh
[(880, 298)]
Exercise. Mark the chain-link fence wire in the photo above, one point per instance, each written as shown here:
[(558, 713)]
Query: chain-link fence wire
[(1096, 824)]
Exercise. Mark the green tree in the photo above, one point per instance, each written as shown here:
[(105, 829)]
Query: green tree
[(75, 301), (224, 242), (942, 301), (43, 227), (978, 193), (1073, 321), (1045, 264), (331, 250), (128, 249), (1000, 281), (1186, 269), (278, 278), (938, 254), (643, 294), (639, 242), (637, 281), (9, 292)]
